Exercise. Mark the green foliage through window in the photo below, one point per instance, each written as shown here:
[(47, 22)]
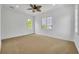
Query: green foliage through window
[(29, 24), (44, 26)]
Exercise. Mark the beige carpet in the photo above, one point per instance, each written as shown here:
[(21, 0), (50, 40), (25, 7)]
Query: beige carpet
[(37, 44)]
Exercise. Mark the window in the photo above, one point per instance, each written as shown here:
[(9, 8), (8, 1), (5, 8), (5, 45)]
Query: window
[(76, 20), (46, 23), (29, 23), (49, 23)]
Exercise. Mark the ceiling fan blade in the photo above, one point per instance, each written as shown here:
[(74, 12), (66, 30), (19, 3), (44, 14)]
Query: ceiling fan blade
[(38, 10), (31, 5), (12, 7), (39, 6), (35, 6), (33, 10)]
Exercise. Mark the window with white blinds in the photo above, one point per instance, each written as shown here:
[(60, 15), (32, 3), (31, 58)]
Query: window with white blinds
[(47, 23)]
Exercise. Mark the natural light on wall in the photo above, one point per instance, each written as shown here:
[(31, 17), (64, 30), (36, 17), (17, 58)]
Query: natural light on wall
[(46, 23), (29, 23), (49, 22), (76, 18)]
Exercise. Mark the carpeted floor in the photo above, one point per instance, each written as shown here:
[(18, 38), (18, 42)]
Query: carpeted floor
[(35, 44)]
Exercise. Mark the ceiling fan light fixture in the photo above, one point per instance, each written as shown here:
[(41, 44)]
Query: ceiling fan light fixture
[(35, 7)]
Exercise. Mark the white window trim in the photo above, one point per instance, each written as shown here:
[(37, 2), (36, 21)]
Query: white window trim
[(76, 18)]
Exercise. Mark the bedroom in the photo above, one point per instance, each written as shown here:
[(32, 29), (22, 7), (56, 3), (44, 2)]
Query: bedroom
[(53, 30)]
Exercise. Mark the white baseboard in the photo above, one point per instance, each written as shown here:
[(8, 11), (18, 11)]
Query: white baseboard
[(76, 40), (54, 36), (77, 47), (15, 36)]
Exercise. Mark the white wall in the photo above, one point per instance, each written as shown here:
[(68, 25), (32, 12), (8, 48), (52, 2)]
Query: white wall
[(0, 27), (14, 23), (63, 22), (76, 38), (78, 19)]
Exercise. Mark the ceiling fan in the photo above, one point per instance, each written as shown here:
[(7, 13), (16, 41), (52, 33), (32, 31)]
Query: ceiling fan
[(35, 8)]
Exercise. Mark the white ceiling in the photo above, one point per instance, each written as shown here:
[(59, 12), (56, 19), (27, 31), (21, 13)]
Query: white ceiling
[(24, 7)]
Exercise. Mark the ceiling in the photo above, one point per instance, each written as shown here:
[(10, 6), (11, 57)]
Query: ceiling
[(24, 7)]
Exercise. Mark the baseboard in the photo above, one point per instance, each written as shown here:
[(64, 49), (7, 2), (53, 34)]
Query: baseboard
[(67, 39), (53, 36), (16, 36), (77, 47)]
